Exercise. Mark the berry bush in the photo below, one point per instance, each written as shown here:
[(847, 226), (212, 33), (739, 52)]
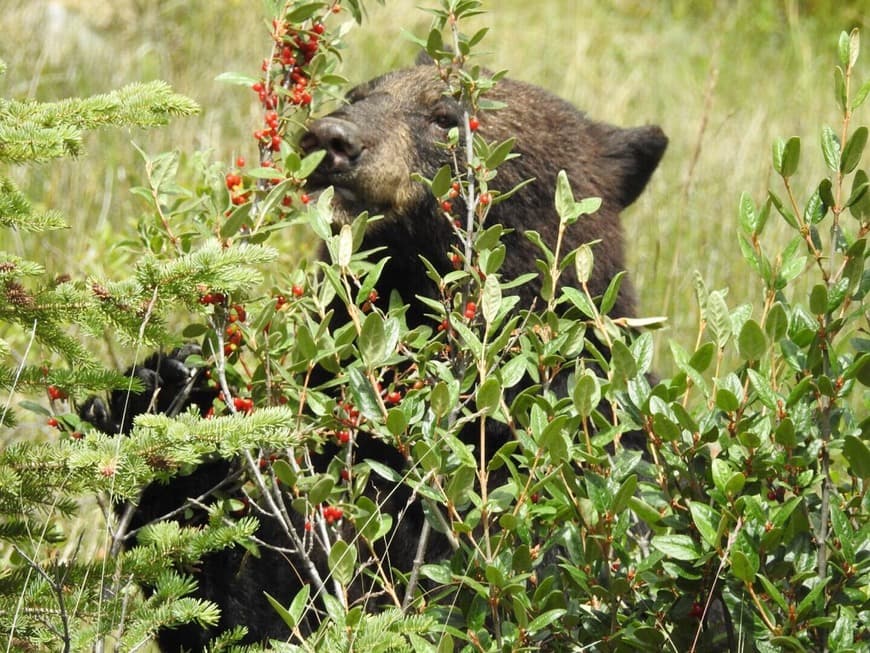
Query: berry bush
[(740, 524)]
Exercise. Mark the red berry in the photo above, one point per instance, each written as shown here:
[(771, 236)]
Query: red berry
[(304, 198), (342, 436), (456, 260), (55, 393), (53, 423), (345, 475), (233, 180), (394, 397), (446, 206), (308, 526), (470, 310), (240, 162), (297, 290), (373, 296), (485, 198), (696, 611), (257, 87), (473, 123), (318, 28)]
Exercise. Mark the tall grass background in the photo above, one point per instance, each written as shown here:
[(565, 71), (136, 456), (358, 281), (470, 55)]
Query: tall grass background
[(722, 78)]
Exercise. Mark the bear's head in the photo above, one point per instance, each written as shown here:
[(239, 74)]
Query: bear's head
[(396, 125)]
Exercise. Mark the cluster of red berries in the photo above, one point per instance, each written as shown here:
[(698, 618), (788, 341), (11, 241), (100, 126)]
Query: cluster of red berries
[(235, 339), (332, 514), (243, 404), (342, 436), (55, 393), (270, 136), (236, 185), (348, 414), (293, 51), (470, 310), (213, 298)]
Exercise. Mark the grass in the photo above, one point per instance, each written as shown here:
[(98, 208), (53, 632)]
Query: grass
[(723, 80)]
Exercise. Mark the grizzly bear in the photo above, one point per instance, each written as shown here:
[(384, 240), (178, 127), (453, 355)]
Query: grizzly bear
[(388, 129)]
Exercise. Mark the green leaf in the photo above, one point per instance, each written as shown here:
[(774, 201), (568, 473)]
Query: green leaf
[(372, 340), (500, 153), (831, 148), (284, 473), (612, 292), (441, 181), (786, 156), (762, 386), (843, 48), (680, 547), (491, 299), (853, 150), (345, 245), (706, 521), (721, 471), (814, 595), (342, 562), (543, 620), (702, 358), (719, 317), (748, 217), (291, 617), (819, 299), (321, 489), (565, 205), (489, 395), (584, 259), (586, 393), (396, 421), (440, 399), (623, 366), (776, 324), (236, 78), (843, 531), (623, 494), (773, 592), (742, 566), (751, 342), (858, 455)]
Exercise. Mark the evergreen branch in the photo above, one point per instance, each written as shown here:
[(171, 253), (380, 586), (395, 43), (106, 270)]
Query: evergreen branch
[(32, 131), (16, 211)]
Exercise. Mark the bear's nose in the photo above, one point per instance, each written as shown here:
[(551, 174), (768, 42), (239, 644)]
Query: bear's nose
[(340, 138)]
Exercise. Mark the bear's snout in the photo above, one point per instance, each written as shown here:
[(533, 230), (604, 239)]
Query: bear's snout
[(340, 138)]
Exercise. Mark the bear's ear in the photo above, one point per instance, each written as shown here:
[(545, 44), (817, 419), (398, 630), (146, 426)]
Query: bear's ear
[(630, 157)]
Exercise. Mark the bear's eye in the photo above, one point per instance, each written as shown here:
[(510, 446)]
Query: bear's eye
[(445, 117)]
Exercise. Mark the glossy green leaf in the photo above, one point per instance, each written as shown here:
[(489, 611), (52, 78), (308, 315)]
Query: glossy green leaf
[(751, 342), (706, 520), (858, 454), (853, 150), (342, 562), (680, 547)]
